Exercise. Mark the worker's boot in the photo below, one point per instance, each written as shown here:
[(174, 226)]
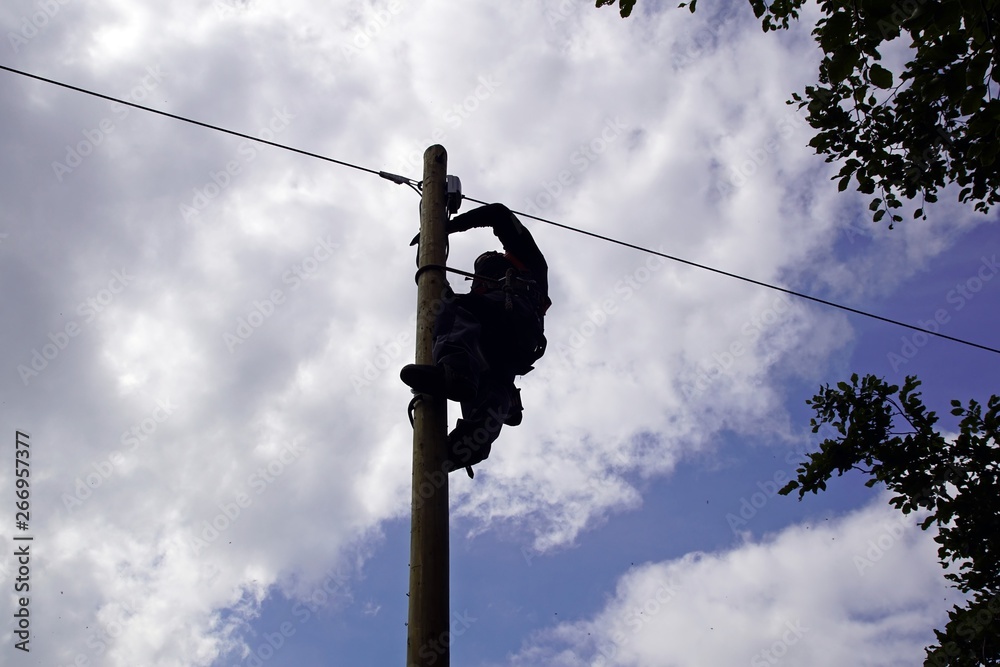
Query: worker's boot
[(438, 380), (516, 408), (470, 443)]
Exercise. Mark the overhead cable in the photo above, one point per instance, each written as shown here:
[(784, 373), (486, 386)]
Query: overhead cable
[(416, 185), (759, 283), (395, 178)]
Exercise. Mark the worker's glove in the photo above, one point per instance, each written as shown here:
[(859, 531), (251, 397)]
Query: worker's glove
[(453, 225), (460, 223)]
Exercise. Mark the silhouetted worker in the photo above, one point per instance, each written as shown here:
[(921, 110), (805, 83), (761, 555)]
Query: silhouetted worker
[(485, 338)]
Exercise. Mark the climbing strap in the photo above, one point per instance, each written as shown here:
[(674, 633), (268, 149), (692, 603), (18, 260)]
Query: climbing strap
[(472, 276), (409, 413), (507, 283)]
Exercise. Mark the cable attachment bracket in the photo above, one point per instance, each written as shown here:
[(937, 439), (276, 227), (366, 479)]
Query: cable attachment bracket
[(416, 186), (454, 196), (396, 178)]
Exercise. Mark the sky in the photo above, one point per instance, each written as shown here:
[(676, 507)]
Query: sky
[(202, 337)]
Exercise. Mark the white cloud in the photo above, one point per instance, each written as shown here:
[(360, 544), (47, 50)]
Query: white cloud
[(863, 589), (291, 446)]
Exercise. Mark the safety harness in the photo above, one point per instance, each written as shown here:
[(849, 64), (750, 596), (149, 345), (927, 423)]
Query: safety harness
[(504, 271)]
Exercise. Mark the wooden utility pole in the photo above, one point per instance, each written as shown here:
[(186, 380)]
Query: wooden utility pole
[(427, 638)]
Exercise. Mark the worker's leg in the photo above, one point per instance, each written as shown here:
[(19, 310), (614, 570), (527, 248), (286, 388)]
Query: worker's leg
[(482, 419), (458, 357), (457, 334)]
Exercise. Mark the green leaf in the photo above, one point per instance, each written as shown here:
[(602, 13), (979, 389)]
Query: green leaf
[(880, 76), (841, 64), (989, 154), (836, 32), (971, 103), (788, 488), (624, 5)]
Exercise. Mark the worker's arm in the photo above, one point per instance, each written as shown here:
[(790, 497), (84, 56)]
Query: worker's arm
[(514, 236)]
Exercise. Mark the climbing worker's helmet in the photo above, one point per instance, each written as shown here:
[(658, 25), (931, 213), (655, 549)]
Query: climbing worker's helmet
[(493, 265)]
